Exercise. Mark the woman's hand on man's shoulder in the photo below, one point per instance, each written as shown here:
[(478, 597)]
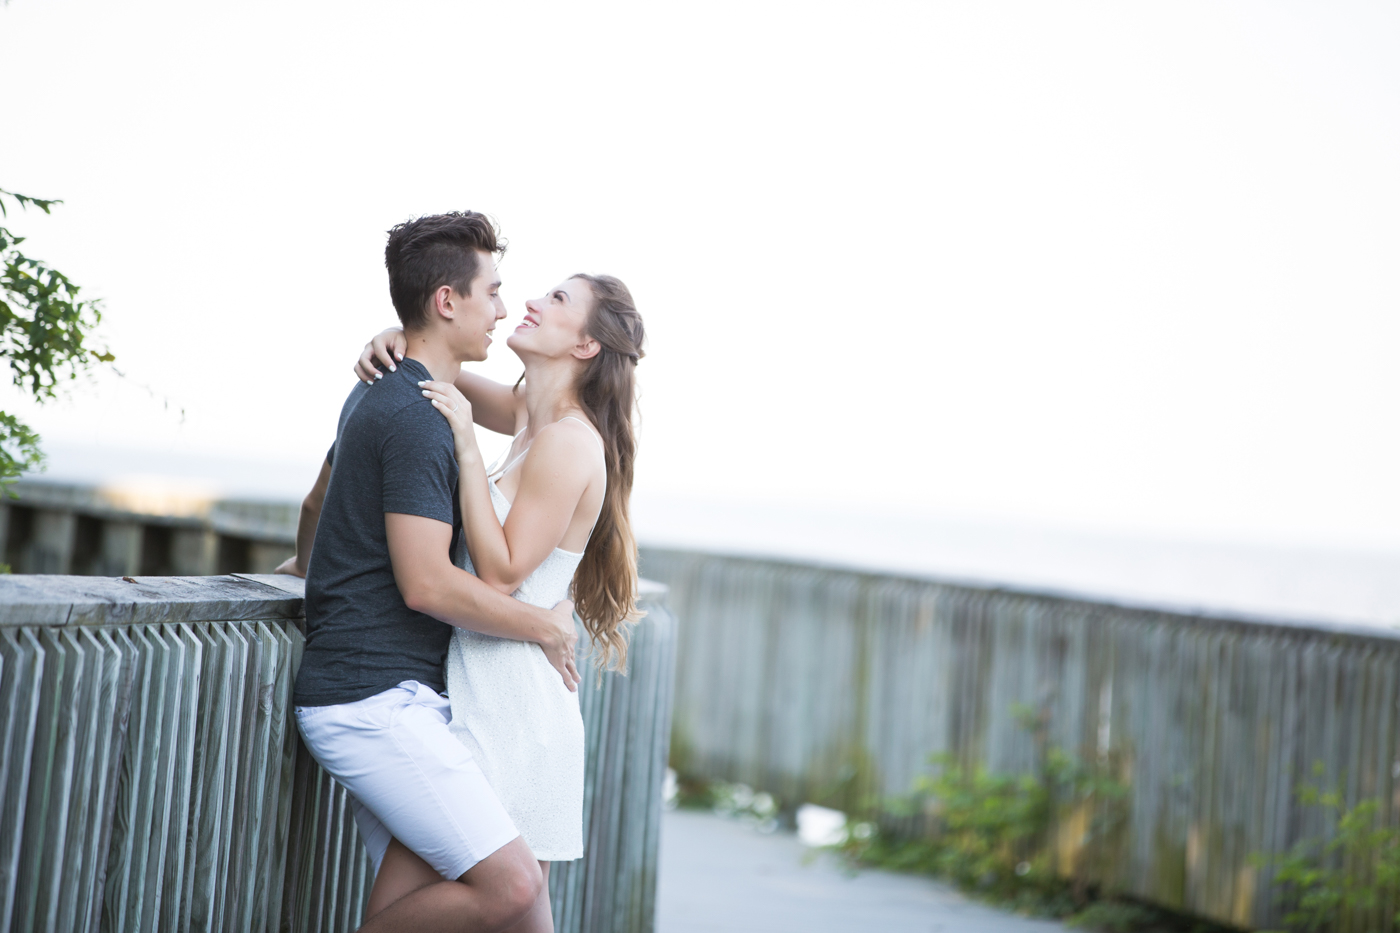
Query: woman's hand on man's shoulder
[(453, 406), (380, 354)]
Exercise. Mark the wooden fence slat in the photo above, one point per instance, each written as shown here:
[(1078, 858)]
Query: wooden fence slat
[(97, 708), (165, 758), (72, 803), (182, 744), (46, 811), (21, 681), (206, 774), (260, 757), (336, 823), (282, 766), (233, 784), (127, 667), (57, 901), (243, 806), (122, 849)]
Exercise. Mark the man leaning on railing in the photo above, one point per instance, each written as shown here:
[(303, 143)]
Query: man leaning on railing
[(380, 583)]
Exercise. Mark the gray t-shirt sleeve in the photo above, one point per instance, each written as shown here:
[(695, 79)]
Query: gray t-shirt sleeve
[(351, 401), (420, 472)]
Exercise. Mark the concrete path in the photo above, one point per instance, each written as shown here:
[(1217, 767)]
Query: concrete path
[(720, 875)]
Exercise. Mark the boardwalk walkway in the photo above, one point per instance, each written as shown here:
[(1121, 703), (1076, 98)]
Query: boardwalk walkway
[(720, 875)]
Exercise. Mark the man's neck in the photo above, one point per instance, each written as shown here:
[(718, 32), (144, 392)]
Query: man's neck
[(437, 358)]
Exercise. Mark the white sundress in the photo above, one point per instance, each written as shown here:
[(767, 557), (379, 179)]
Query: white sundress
[(511, 710)]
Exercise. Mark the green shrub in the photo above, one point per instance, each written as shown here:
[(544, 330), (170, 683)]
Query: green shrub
[(991, 833), (1358, 869)]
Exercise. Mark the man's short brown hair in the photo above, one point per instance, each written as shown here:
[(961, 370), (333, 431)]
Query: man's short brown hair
[(427, 253)]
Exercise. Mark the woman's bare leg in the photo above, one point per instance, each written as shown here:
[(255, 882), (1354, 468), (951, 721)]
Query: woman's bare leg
[(400, 873), (540, 919)]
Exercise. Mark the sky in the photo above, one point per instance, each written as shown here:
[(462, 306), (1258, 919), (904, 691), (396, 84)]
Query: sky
[(1127, 267)]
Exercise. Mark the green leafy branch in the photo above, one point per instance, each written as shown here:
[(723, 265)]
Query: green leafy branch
[(44, 328), (24, 200), (19, 445)]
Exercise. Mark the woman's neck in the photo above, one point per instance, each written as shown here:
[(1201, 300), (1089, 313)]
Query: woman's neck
[(549, 395)]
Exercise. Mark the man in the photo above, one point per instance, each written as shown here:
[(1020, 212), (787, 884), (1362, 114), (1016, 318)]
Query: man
[(380, 583)]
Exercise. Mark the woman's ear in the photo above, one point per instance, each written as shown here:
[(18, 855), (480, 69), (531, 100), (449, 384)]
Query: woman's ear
[(588, 349)]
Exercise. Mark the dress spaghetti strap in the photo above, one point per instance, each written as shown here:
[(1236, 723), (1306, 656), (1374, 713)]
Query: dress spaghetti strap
[(502, 471), (496, 469), (591, 433)]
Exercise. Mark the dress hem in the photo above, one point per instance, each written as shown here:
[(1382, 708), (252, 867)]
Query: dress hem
[(546, 858)]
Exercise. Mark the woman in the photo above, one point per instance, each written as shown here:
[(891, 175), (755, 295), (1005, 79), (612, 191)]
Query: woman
[(554, 514)]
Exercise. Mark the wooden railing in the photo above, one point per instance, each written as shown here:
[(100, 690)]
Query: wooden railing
[(834, 686), (151, 776), (133, 530)]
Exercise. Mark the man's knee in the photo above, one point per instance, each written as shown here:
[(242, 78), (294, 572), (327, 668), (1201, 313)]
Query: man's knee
[(511, 881), (522, 891)]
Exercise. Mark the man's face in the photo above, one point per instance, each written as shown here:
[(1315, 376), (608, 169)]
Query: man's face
[(477, 313)]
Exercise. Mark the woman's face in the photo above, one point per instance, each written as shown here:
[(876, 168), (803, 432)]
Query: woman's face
[(554, 324)]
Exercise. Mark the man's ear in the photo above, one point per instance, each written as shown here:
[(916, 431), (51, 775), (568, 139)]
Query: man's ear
[(588, 349), (443, 302)]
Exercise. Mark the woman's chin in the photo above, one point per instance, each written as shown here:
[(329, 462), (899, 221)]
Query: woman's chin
[(526, 346)]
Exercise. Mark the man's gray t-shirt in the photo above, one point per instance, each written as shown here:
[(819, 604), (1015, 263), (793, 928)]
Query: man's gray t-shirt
[(393, 453)]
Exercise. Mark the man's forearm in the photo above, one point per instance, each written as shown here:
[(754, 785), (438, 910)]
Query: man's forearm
[(309, 517), (462, 600), (306, 534)]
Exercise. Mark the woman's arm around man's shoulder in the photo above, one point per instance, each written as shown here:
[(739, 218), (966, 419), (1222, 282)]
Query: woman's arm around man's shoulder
[(495, 406)]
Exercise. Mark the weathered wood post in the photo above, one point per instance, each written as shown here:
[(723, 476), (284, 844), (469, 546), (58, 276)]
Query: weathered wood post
[(151, 776), (119, 552)]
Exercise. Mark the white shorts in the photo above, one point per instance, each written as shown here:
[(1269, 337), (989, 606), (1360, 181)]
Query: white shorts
[(409, 778)]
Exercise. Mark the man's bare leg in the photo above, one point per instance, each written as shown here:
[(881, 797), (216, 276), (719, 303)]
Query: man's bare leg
[(495, 893), (540, 919), (401, 872)]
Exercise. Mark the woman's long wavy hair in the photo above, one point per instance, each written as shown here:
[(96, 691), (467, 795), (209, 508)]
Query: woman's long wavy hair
[(605, 584)]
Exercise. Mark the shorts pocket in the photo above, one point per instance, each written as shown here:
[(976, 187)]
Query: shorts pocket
[(428, 729), (312, 713), (380, 710)]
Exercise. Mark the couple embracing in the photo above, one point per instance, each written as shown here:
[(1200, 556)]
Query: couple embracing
[(439, 682)]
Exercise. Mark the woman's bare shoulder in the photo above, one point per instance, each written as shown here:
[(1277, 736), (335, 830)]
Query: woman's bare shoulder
[(568, 446)]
